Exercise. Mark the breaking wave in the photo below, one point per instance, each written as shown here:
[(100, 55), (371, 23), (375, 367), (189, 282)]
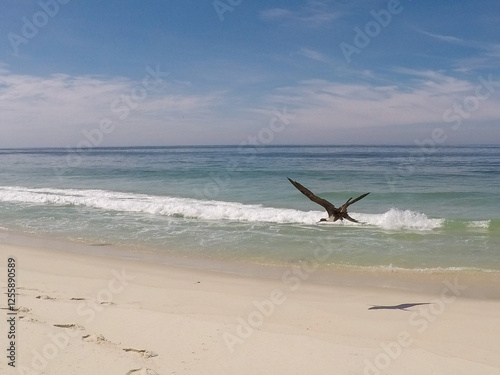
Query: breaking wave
[(205, 209)]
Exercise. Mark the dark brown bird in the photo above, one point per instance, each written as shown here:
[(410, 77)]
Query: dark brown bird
[(334, 213)]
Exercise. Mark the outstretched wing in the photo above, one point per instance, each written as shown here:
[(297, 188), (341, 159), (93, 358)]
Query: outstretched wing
[(330, 208), (343, 208)]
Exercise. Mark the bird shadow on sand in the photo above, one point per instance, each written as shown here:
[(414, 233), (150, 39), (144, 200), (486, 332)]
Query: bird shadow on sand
[(403, 306)]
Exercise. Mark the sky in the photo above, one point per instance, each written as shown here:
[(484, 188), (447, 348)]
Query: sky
[(80, 74)]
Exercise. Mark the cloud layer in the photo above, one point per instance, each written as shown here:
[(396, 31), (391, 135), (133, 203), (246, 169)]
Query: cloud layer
[(60, 108)]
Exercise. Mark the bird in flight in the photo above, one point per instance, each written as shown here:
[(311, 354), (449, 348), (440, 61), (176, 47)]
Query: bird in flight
[(334, 213)]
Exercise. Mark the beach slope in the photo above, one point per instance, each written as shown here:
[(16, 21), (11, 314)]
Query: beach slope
[(88, 314)]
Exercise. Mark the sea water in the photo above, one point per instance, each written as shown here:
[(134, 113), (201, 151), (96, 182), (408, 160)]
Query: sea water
[(428, 208)]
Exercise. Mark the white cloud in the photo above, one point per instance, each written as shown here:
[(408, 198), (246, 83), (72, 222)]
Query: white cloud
[(54, 110), (443, 38), (322, 108), (492, 49), (314, 55), (487, 54), (313, 14), (180, 103)]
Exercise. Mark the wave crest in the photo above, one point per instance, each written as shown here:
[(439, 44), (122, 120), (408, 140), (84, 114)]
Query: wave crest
[(204, 209), (403, 219)]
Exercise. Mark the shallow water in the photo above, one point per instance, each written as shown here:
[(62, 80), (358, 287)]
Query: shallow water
[(428, 209)]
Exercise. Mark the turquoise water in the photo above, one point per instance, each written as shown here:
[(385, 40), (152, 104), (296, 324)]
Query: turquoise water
[(428, 208)]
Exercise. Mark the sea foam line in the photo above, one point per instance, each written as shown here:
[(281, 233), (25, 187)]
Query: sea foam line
[(204, 209)]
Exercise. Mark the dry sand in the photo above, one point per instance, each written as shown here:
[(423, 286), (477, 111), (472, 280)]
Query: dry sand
[(91, 314)]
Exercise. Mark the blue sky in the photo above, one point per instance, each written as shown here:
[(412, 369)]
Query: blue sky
[(121, 72)]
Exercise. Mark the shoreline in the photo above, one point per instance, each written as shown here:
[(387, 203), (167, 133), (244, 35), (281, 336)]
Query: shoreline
[(82, 312), (481, 284)]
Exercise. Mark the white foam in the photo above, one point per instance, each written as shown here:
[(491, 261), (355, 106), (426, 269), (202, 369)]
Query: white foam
[(157, 205), (204, 209), (391, 268), (485, 224), (401, 219)]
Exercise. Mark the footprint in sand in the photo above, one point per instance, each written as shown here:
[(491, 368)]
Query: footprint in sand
[(31, 320), (142, 352), (23, 313), (20, 309), (92, 337), (70, 325), (44, 297), (141, 371)]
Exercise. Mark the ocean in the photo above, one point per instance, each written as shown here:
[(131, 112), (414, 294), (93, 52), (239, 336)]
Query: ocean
[(429, 208)]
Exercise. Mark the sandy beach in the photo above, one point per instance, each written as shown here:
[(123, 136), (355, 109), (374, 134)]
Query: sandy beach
[(239, 187), (79, 313)]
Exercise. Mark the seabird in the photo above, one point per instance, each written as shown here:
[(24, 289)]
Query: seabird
[(334, 213)]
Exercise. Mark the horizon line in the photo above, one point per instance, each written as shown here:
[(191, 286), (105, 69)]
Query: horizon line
[(75, 149)]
